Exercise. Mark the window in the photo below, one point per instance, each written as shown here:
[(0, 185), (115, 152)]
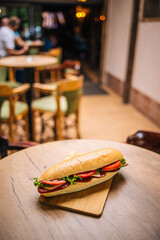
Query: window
[(30, 20), (151, 10)]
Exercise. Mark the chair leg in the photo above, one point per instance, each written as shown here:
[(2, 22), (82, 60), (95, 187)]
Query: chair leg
[(55, 128), (11, 126), (27, 126), (37, 80), (53, 76), (59, 75), (44, 76), (33, 125), (3, 147), (59, 127), (77, 125), (36, 76)]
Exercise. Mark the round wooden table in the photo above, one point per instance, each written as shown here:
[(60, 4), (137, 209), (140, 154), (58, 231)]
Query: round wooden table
[(132, 209), (26, 61)]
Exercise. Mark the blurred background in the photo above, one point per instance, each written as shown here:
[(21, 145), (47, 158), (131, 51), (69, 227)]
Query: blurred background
[(117, 42)]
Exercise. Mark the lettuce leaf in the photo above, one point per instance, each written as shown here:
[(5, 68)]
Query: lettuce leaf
[(40, 184), (72, 179), (123, 162)]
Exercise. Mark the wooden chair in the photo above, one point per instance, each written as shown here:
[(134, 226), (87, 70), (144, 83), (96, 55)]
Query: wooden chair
[(71, 67), (11, 109), (146, 139), (67, 68), (3, 78), (56, 52), (6, 146), (55, 70), (64, 99)]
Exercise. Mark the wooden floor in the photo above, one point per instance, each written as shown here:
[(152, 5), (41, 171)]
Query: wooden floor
[(106, 117)]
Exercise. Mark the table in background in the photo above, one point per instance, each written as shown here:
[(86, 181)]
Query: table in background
[(132, 210), (36, 43), (26, 61), (35, 46)]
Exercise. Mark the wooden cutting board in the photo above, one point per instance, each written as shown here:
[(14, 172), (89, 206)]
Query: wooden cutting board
[(90, 201)]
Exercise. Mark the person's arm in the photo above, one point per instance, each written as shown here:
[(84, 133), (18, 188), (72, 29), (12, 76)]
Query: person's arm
[(19, 41), (9, 41), (17, 52)]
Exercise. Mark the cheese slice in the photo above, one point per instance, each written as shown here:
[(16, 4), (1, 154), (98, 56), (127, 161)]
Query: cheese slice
[(96, 174), (53, 187)]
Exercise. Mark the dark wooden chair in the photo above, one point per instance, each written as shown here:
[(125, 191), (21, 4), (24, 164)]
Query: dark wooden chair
[(5, 146), (59, 70), (146, 139), (71, 67)]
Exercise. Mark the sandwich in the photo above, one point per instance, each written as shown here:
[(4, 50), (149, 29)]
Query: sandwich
[(80, 172)]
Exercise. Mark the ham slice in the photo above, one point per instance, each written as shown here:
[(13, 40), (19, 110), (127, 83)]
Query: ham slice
[(55, 188)]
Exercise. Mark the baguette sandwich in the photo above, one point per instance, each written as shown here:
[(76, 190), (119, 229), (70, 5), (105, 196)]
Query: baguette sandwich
[(80, 172)]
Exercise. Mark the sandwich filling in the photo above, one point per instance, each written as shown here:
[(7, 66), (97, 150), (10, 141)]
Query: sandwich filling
[(46, 186)]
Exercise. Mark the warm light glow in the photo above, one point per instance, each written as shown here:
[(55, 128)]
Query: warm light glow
[(81, 0), (80, 14), (0, 10), (96, 19), (83, 14), (102, 17)]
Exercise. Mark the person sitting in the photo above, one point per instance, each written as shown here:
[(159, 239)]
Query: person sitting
[(4, 21), (8, 39)]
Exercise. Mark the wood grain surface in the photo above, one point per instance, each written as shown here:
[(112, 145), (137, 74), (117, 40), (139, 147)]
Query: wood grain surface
[(132, 210), (27, 61)]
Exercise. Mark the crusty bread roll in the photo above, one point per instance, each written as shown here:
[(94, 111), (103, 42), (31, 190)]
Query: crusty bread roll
[(82, 163)]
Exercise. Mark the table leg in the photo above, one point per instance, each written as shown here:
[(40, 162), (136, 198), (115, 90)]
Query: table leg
[(37, 80), (11, 74)]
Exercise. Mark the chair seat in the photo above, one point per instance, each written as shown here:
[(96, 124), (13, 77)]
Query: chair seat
[(20, 107), (49, 104), (70, 70), (11, 84)]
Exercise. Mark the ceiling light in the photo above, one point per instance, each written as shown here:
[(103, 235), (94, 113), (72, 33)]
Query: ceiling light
[(102, 17)]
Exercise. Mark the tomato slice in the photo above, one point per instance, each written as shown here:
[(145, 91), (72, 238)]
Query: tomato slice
[(53, 182), (86, 174), (112, 166)]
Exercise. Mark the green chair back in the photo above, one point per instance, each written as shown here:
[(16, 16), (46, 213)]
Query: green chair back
[(3, 75), (33, 51), (3, 79), (72, 100)]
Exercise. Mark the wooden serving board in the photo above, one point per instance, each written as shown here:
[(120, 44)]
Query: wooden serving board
[(90, 201)]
